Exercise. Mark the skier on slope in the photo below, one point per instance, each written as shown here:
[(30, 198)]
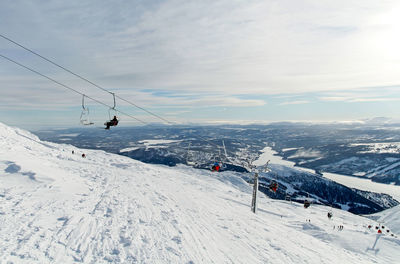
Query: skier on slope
[(329, 215)]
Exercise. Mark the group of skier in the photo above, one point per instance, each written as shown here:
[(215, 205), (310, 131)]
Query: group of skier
[(339, 227), (380, 229)]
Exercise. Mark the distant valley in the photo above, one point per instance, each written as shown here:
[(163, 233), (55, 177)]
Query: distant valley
[(356, 150)]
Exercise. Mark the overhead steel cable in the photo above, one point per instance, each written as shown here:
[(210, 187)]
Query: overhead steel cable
[(91, 98), (92, 83), (70, 88), (85, 79)]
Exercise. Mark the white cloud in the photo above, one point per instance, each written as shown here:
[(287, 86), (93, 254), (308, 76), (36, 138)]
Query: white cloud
[(334, 98), (179, 99), (215, 50), (295, 102), (378, 94), (357, 100), (222, 101)]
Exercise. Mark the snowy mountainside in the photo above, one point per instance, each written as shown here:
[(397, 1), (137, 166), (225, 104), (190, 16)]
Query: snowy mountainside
[(198, 146), (58, 207)]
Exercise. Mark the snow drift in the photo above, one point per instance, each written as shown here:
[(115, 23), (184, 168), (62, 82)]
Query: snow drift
[(57, 207)]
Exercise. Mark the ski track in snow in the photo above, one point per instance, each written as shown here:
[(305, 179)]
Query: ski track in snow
[(57, 207)]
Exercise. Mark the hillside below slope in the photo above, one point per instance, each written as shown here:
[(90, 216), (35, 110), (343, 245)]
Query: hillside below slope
[(58, 207)]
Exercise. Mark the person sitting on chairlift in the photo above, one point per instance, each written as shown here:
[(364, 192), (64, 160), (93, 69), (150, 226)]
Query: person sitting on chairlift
[(273, 186), (215, 167), (112, 122)]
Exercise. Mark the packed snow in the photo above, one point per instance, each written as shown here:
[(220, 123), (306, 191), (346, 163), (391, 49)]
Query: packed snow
[(59, 207)]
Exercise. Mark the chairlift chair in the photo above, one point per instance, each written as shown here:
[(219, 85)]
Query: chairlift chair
[(216, 166), (112, 109), (84, 118), (222, 163), (219, 162), (273, 186), (112, 121), (222, 166)]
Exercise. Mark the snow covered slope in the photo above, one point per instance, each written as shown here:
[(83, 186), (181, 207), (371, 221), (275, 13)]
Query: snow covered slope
[(389, 217), (57, 207)]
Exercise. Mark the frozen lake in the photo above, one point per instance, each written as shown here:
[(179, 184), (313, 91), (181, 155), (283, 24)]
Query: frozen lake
[(352, 182)]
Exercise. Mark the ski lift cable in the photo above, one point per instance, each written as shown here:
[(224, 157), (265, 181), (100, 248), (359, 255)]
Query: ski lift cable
[(84, 95), (86, 80), (92, 83), (69, 88)]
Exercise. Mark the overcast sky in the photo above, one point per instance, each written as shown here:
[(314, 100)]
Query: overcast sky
[(203, 61)]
